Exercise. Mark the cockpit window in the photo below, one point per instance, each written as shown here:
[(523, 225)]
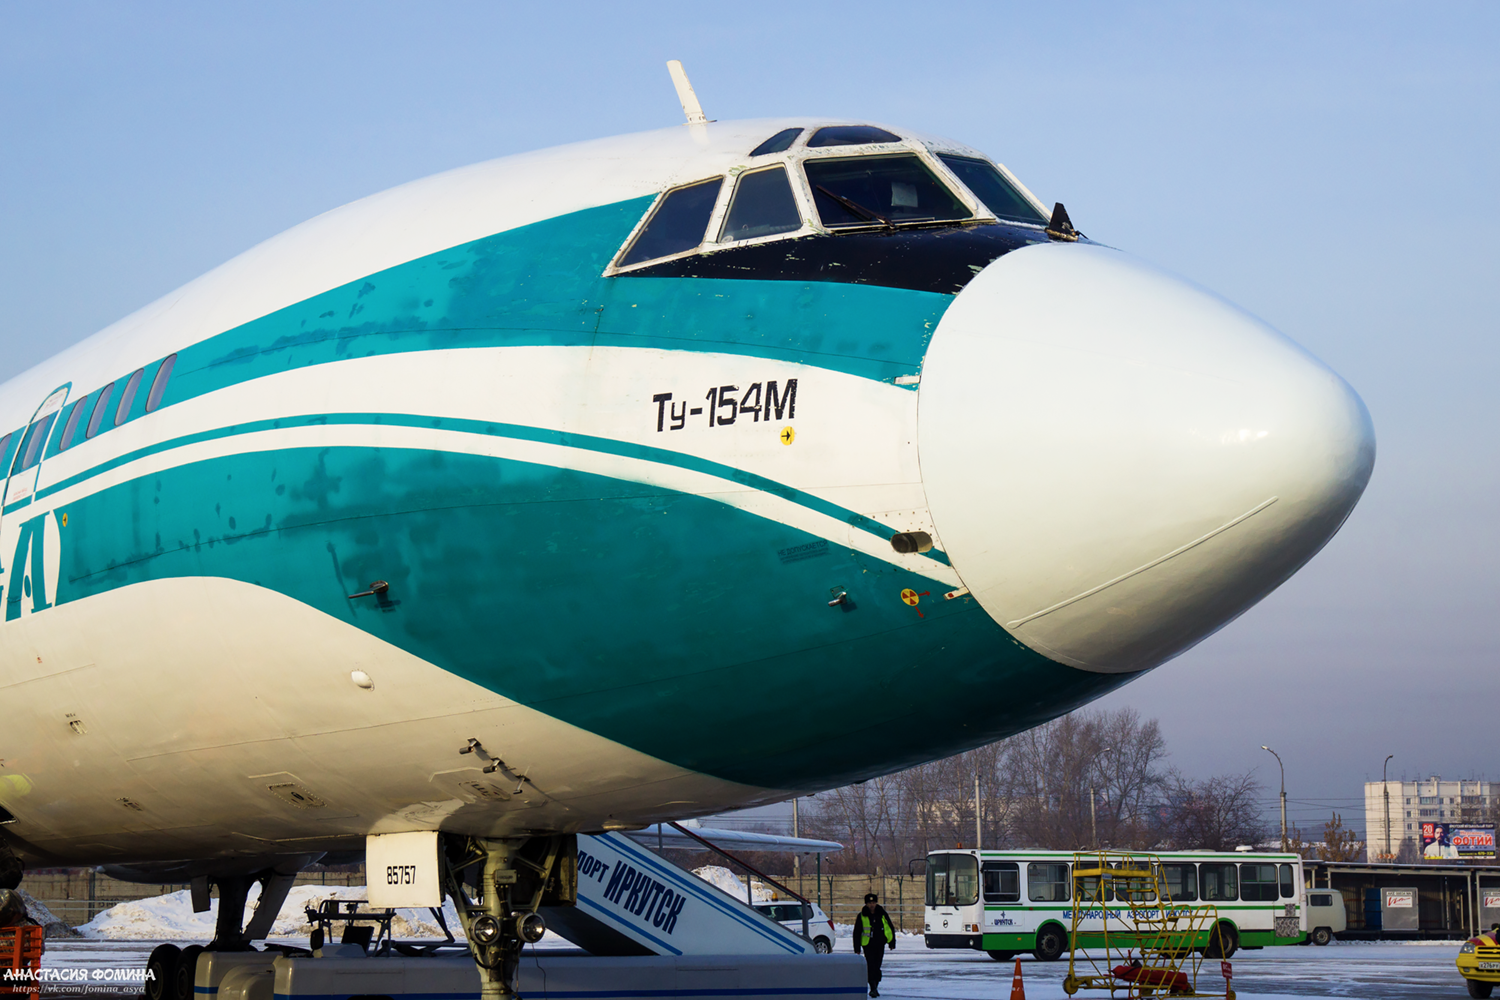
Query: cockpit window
[(778, 143), (851, 135), (678, 224), (879, 190), (991, 187), (763, 206)]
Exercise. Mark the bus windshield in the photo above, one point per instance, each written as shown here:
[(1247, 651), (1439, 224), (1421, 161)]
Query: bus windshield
[(952, 880)]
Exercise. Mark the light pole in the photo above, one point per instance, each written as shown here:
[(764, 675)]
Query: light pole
[(1279, 764), (1093, 818), (1385, 790)]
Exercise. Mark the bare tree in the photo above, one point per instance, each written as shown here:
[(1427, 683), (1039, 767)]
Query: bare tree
[(1215, 814), (1340, 844)]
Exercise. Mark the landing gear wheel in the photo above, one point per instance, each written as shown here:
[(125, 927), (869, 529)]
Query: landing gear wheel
[(1050, 944), (161, 970), (1001, 956), (185, 975), (1223, 941), (1478, 989), (822, 946), (1322, 936)]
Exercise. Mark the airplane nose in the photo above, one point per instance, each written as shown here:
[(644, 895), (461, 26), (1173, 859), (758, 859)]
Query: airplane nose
[(1118, 463)]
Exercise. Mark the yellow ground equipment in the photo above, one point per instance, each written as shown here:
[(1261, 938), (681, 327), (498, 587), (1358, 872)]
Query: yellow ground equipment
[(1128, 937)]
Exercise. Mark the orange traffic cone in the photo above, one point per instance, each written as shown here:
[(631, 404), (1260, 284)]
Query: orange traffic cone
[(1017, 988)]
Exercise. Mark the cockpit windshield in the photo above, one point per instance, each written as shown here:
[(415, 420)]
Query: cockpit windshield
[(991, 187), (677, 224), (763, 206), (851, 135), (881, 191)]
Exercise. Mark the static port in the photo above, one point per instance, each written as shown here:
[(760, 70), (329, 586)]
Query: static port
[(908, 542)]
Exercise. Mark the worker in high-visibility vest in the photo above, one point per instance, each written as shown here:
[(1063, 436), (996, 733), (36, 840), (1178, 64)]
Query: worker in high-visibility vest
[(873, 933)]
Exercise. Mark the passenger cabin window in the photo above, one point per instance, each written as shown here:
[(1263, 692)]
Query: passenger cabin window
[(879, 190), (122, 412), (851, 135), (71, 427), (778, 143), (1320, 899), (952, 880), (159, 383), (30, 452), (1002, 882), (1288, 890), (101, 406), (763, 206), (1047, 882), (677, 225), (1217, 882), (1258, 883), (1181, 882), (990, 186)]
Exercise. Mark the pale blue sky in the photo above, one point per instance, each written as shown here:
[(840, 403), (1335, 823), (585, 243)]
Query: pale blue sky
[(1331, 167)]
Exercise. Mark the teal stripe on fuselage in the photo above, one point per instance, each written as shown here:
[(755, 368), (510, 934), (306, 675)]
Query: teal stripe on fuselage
[(520, 432), (659, 619), (541, 285)]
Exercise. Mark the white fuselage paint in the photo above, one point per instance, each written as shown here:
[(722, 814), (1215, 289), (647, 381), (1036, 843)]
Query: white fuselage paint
[(1099, 444)]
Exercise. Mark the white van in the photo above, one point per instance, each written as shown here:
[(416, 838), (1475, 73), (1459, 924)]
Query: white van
[(1325, 915)]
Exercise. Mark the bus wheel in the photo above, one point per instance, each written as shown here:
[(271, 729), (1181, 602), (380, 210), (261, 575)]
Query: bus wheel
[(1223, 941), (1000, 956), (1050, 943), (1322, 936), (1478, 989)]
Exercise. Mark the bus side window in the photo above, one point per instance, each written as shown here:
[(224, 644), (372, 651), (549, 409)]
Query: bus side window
[(1219, 883), (1288, 887), (1181, 882), (1258, 883), (1002, 882), (1047, 882)]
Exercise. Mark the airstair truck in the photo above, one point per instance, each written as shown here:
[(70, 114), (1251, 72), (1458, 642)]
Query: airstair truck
[(642, 926)]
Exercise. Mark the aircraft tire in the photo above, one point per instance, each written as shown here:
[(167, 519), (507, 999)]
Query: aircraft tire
[(185, 975), (161, 971)]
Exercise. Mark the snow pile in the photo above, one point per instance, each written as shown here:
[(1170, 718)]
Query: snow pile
[(726, 880), (171, 917)]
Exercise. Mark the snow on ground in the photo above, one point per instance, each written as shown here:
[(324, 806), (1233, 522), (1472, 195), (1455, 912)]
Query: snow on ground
[(171, 917)]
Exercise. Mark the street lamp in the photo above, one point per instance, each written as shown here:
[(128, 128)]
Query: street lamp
[(1093, 818), (1273, 753), (1385, 790)]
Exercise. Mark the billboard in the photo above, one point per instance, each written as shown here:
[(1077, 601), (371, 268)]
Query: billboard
[(1447, 841)]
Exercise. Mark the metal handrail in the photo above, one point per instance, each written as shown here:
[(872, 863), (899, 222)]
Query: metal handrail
[(806, 905)]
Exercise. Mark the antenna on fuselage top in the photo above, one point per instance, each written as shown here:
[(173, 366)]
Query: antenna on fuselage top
[(690, 105)]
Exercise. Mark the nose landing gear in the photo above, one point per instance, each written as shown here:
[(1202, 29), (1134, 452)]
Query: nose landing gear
[(497, 886)]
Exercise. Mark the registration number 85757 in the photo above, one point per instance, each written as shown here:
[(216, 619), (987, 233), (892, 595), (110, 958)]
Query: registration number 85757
[(400, 874)]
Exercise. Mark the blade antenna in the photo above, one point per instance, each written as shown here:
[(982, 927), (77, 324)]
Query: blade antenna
[(690, 106)]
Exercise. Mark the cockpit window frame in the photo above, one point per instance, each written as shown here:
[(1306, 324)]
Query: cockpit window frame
[(792, 159)]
